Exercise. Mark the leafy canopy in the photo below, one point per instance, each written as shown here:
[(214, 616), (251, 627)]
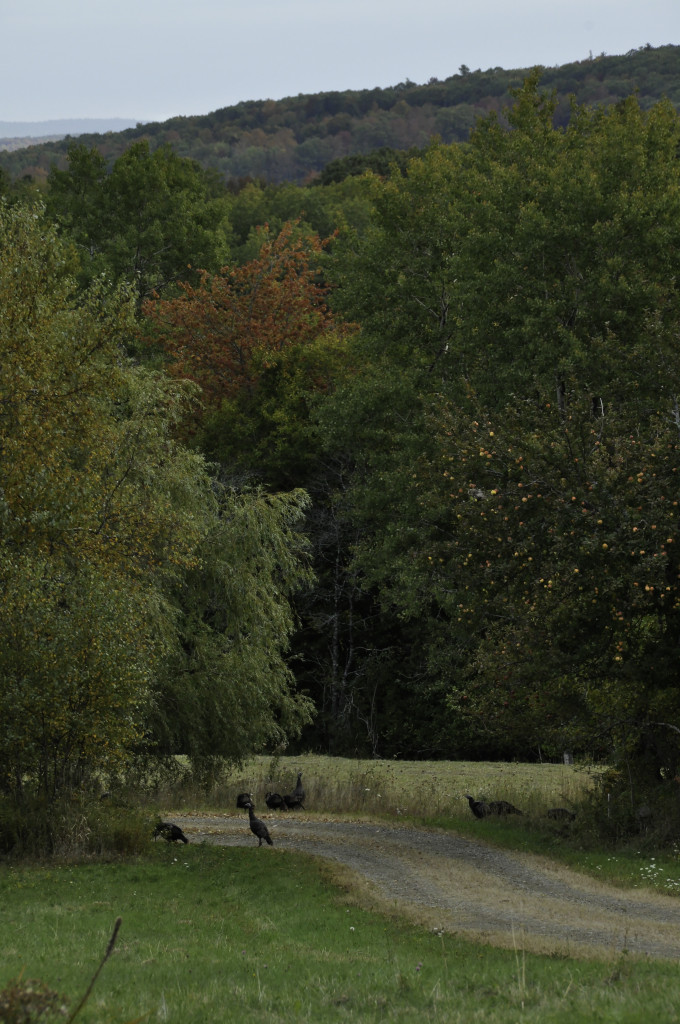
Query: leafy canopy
[(517, 466), (145, 221), (109, 583), (224, 332)]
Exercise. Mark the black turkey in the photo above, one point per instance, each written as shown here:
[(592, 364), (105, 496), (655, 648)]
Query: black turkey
[(478, 807), (560, 814), (275, 802), (243, 799), (503, 807), (258, 828), (296, 798), (171, 833)]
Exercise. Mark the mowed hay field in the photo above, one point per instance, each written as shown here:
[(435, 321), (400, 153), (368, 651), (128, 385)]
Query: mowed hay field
[(400, 789)]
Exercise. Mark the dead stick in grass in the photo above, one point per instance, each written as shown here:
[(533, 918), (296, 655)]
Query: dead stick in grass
[(107, 954)]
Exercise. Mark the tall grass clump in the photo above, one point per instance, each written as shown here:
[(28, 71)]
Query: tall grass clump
[(24, 1001)]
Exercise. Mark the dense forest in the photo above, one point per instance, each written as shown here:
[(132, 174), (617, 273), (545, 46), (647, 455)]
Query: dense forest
[(382, 464), (294, 139)]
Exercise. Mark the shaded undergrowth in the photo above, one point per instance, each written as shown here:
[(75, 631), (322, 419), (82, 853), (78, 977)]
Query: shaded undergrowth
[(75, 826)]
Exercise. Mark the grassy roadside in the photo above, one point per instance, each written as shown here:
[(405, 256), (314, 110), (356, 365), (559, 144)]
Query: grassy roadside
[(242, 934)]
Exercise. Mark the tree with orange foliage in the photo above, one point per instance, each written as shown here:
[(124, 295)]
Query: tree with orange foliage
[(225, 332)]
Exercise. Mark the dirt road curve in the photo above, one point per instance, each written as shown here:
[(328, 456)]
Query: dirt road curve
[(447, 882)]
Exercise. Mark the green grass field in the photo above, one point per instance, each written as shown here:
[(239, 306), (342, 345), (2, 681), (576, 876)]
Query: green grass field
[(212, 935), (235, 934)]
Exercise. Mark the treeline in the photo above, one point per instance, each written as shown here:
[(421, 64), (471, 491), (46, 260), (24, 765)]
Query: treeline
[(388, 464), (295, 138)]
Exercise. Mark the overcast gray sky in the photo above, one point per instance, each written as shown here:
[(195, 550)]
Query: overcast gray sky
[(152, 59)]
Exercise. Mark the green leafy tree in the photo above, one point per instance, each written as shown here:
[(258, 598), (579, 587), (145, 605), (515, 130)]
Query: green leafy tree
[(226, 691), (317, 211), (100, 510), (526, 344), (262, 344), (146, 222), (107, 525)]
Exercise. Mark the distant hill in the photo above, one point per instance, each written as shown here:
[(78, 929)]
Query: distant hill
[(293, 139), (19, 134), (11, 143)]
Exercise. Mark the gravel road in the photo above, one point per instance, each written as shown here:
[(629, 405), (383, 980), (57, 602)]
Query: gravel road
[(464, 886)]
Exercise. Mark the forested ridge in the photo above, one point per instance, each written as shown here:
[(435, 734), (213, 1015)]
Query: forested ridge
[(294, 139), (382, 465)]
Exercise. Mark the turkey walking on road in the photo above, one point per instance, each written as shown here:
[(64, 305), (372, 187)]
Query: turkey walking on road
[(171, 833), (258, 828)]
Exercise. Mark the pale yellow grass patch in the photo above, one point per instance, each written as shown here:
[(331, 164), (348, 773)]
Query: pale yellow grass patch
[(396, 788)]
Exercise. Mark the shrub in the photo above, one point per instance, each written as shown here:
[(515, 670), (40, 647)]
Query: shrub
[(22, 1002), (74, 827)]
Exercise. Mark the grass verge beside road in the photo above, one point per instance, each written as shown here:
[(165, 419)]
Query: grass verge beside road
[(257, 934)]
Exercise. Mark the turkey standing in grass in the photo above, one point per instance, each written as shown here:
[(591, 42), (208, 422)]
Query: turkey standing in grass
[(243, 799), (560, 814), (275, 802), (258, 828), (296, 798), (478, 807), (171, 833), (503, 807)]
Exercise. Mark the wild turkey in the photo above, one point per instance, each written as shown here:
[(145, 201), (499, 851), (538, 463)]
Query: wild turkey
[(478, 807), (296, 798), (560, 814), (275, 802), (243, 799), (171, 833), (503, 807), (258, 828)]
